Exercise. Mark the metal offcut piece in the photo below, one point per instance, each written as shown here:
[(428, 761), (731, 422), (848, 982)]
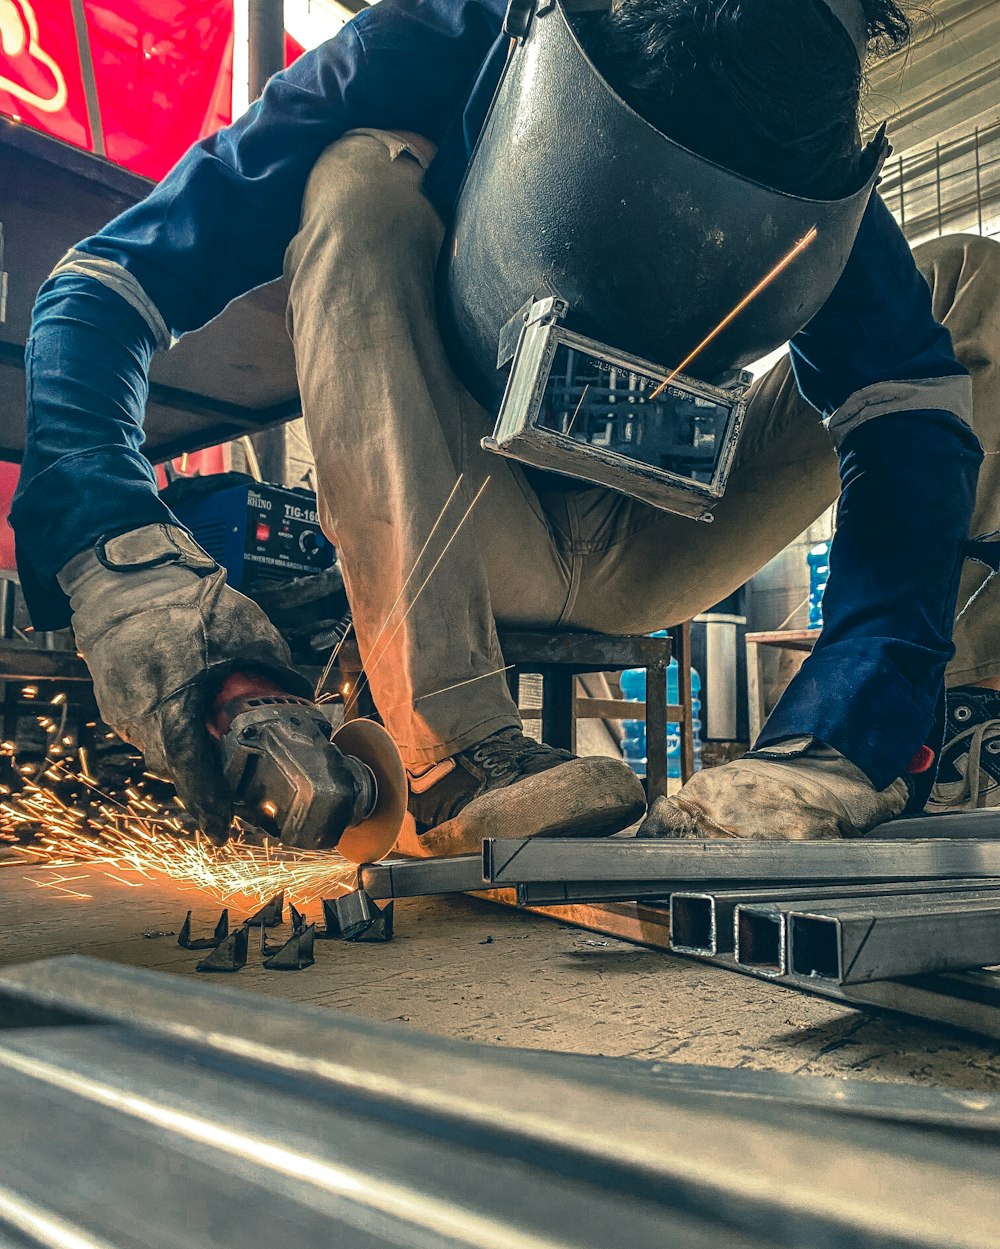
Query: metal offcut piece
[(349, 915), (381, 928), (186, 942), (271, 914), (512, 862), (296, 953), (230, 955)]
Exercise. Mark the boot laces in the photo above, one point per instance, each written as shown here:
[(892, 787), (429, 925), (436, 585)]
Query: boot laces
[(510, 753), (976, 737)]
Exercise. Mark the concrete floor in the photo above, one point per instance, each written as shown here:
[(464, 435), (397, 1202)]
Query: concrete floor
[(466, 968)]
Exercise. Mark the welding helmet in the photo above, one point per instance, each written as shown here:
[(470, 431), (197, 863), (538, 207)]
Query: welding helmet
[(589, 254)]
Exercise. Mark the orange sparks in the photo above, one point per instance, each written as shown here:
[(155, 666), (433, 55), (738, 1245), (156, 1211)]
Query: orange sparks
[(143, 841), (765, 281)]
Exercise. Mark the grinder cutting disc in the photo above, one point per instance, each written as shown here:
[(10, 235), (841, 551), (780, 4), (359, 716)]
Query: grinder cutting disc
[(373, 838)]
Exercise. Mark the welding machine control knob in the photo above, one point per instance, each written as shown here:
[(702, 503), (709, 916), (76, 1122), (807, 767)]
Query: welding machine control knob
[(310, 542)]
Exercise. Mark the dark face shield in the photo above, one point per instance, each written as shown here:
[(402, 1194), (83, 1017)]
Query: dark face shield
[(571, 196)]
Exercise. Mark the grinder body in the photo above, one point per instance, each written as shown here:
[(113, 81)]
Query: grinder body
[(290, 777)]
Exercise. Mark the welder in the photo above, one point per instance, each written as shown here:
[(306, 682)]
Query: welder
[(345, 176)]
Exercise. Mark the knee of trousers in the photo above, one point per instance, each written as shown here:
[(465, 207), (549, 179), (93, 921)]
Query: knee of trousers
[(363, 207), (955, 260)]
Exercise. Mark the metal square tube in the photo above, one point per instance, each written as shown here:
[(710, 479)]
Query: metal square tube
[(883, 943), (420, 878)]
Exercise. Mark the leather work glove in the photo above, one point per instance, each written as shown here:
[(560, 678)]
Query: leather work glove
[(799, 790), (160, 630)]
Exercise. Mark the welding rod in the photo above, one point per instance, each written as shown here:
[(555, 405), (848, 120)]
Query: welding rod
[(512, 862), (702, 922)]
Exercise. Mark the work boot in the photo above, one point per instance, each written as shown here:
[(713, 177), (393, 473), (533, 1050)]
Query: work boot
[(968, 775), (509, 785)]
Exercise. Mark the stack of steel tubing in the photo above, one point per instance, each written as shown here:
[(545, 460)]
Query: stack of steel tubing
[(838, 912)]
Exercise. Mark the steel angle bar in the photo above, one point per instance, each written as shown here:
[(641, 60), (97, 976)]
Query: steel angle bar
[(422, 878), (969, 1001), (984, 824), (885, 943), (556, 893), (703, 922), (512, 862)]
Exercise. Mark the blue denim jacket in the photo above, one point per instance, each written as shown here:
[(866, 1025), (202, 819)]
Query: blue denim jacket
[(218, 225)]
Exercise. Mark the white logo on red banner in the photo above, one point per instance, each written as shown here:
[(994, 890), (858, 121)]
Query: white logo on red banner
[(21, 51)]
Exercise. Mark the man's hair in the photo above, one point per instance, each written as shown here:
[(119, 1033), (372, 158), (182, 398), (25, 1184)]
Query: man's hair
[(770, 89)]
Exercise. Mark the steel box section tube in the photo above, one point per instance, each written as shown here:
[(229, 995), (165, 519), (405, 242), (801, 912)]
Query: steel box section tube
[(512, 862), (693, 924), (422, 878), (759, 941), (703, 922), (893, 942)]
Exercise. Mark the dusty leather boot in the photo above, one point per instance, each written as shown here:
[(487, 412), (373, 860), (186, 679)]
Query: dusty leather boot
[(509, 785), (799, 790)]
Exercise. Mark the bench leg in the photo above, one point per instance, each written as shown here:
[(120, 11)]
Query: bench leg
[(656, 731), (558, 713)]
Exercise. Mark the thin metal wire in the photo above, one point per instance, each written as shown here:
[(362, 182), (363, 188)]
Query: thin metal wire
[(446, 688), (363, 679), (416, 563)]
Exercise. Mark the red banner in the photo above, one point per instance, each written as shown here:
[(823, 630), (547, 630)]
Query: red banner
[(159, 74), (163, 71), (40, 78)]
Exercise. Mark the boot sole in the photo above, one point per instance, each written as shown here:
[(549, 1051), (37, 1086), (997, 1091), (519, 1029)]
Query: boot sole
[(590, 797)]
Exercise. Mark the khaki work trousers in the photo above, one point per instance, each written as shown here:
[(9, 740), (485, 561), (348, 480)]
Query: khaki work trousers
[(393, 431)]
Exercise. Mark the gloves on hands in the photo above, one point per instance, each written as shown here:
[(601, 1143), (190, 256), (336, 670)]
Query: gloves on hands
[(160, 630), (799, 790)]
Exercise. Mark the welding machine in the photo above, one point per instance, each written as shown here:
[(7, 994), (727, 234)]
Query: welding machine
[(258, 532)]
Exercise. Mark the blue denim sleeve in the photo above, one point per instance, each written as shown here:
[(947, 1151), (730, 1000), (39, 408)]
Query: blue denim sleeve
[(216, 227), (871, 687)]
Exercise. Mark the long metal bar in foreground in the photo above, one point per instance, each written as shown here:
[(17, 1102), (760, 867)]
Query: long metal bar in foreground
[(702, 922), (512, 862), (208, 1116), (422, 878), (880, 942)]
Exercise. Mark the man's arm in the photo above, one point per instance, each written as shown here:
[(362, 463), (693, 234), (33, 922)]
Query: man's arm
[(832, 757), (898, 406), (216, 227)]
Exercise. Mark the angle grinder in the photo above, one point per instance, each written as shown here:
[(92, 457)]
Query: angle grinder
[(297, 779)]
